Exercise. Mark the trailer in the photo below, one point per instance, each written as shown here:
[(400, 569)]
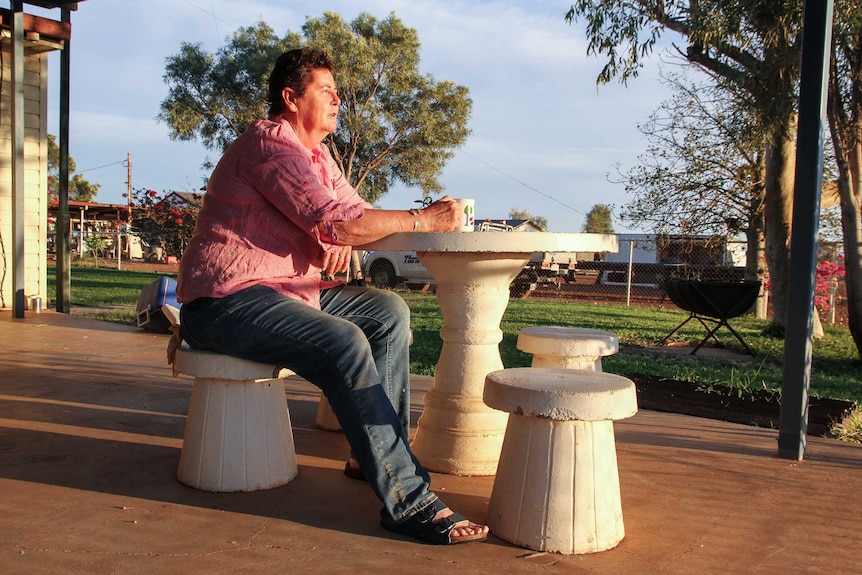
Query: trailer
[(646, 260)]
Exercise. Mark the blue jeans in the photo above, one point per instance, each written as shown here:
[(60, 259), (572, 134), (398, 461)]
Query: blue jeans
[(355, 349)]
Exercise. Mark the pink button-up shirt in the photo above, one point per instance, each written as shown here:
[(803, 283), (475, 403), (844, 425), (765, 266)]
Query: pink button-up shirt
[(258, 223)]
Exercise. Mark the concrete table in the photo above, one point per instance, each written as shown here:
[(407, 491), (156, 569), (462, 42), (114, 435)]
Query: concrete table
[(457, 433)]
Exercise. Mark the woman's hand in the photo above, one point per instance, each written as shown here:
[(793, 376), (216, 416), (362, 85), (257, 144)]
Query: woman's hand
[(336, 262), (444, 215)]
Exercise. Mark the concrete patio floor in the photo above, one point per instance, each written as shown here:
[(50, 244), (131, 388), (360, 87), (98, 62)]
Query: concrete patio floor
[(91, 425)]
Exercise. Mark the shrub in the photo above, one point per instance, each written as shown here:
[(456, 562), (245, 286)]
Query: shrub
[(165, 220)]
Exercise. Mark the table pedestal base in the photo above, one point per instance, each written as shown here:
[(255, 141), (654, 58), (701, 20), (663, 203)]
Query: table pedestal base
[(457, 433)]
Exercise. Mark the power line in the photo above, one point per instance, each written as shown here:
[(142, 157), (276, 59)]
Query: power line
[(528, 186), (204, 10), (100, 167), (215, 20)]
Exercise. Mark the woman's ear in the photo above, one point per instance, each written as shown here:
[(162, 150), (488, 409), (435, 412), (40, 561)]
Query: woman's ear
[(289, 98)]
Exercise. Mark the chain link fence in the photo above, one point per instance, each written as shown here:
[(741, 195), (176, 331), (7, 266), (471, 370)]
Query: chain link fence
[(638, 274), (103, 243), (638, 271)]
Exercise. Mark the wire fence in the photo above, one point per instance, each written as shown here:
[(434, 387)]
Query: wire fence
[(637, 275), (103, 244), (641, 272)]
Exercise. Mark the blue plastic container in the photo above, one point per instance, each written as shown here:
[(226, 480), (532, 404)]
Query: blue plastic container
[(149, 313)]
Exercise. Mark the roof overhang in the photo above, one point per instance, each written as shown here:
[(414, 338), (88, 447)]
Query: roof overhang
[(40, 34), (67, 4)]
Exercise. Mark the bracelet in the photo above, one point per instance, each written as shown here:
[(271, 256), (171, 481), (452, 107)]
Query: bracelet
[(416, 223)]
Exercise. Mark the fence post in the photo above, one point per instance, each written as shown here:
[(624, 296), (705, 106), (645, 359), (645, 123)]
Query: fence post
[(629, 274)]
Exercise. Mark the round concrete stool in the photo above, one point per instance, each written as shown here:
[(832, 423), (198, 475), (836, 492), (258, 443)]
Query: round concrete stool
[(557, 486), (238, 435), (569, 347), (325, 417)]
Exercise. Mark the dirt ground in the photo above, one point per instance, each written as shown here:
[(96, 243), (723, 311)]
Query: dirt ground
[(158, 268)]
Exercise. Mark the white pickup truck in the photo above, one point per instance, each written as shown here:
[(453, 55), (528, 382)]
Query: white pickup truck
[(387, 268)]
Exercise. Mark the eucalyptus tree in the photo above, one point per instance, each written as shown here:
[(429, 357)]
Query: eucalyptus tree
[(396, 124), (750, 47), (213, 97), (80, 189), (844, 110), (702, 171), (598, 220), (540, 222)]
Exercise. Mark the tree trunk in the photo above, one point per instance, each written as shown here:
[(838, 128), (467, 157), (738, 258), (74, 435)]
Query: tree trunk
[(845, 127), (755, 259), (778, 213), (850, 188)]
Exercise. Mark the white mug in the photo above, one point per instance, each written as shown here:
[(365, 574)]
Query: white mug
[(468, 211)]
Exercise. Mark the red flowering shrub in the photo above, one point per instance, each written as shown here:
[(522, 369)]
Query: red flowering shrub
[(827, 273), (167, 221), (53, 200)]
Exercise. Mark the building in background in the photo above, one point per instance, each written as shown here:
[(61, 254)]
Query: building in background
[(41, 36)]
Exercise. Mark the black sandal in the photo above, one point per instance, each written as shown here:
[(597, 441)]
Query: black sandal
[(422, 526)]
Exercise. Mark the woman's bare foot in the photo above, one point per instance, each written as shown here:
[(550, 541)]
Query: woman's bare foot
[(436, 524), (464, 530)]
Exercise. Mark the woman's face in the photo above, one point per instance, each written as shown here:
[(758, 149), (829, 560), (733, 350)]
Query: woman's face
[(317, 108)]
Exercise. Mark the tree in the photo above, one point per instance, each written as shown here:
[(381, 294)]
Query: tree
[(598, 220), (214, 97), (79, 188), (844, 109), (395, 125), (166, 221), (538, 221), (751, 48), (703, 170)]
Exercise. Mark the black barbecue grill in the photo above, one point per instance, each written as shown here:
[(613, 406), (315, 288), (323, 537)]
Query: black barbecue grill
[(712, 303)]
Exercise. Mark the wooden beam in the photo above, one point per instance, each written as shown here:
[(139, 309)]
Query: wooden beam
[(65, 4), (45, 27)]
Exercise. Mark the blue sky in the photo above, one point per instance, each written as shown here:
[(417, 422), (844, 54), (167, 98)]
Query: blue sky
[(544, 137)]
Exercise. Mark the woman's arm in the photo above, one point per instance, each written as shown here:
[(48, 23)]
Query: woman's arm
[(444, 215)]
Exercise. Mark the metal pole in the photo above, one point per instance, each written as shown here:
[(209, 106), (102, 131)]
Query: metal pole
[(629, 277), (18, 187), (64, 256), (816, 43), (81, 235), (129, 179)]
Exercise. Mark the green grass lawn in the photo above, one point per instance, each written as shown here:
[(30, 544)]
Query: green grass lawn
[(836, 370), (103, 287)]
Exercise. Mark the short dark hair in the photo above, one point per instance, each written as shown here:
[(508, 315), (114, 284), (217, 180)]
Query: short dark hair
[(293, 70)]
